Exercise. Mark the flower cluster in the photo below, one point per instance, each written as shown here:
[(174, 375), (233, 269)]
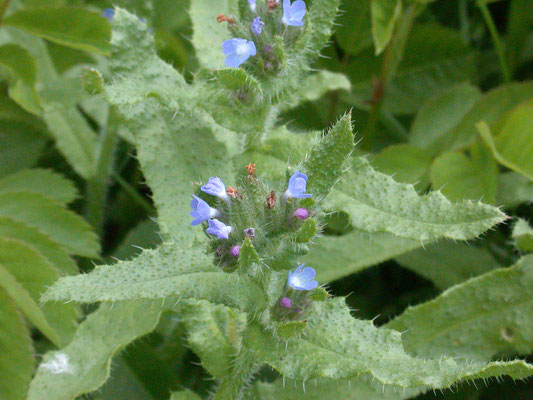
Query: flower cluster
[(239, 50)]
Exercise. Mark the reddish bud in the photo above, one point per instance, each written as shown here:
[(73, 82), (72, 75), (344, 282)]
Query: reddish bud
[(235, 251)]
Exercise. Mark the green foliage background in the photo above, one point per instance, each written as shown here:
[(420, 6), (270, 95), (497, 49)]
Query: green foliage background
[(107, 127)]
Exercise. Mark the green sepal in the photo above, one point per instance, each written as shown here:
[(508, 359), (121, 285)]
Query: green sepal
[(248, 255), (287, 330), (308, 231), (318, 294)]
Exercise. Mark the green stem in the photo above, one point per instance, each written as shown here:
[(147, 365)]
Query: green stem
[(3, 8), (495, 39), (130, 190), (231, 387)]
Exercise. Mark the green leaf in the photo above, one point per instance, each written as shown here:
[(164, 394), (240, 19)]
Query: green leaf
[(376, 203), (447, 263), (43, 181), (21, 261), (171, 270), (454, 323), (326, 161), (247, 255), (440, 114), (384, 13), (319, 22), (185, 395), (16, 363), (513, 146), (514, 189), (523, 235), (78, 28), (307, 231), (83, 366), (214, 333), (208, 35), (461, 177), (337, 346), (354, 31), (61, 225)]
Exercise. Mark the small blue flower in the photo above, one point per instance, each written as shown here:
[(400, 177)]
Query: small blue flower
[(297, 186), (215, 187), (293, 14), (238, 51), (302, 278), (257, 25), (201, 211), (109, 13), (219, 229), (252, 5)]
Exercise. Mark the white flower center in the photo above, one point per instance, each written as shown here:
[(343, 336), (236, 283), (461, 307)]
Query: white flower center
[(242, 49)]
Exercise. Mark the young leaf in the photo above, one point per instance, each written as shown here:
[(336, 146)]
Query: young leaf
[(326, 161), (328, 350), (170, 270), (376, 203), (78, 28), (514, 189), (384, 13), (523, 235), (83, 366), (454, 323), (16, 363)]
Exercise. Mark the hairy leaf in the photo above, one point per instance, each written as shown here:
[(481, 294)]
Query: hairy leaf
[(83, 366), (328, 351), (16, 363), (170, 270), (477, 319), (376, 203), (319, 19)]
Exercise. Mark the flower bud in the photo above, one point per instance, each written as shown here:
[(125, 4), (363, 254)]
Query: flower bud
[(235, 251), (301, 213), (285, 302)]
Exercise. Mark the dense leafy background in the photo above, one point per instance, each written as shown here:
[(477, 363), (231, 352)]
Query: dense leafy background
[(441, 100)]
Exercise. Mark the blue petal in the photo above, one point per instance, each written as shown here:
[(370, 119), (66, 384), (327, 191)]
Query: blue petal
[(229, 46), (308, 273)]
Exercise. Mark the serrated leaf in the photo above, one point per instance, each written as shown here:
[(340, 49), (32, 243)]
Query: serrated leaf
[(376, 203), (61, 225), (477, 319), (523, 235), (447, 263), (83, 366), (514, 189), (330, 353), (384, 14), (43, 181), (20, 262), (75, 27), (326, 161), (16, 363), (170, 270)]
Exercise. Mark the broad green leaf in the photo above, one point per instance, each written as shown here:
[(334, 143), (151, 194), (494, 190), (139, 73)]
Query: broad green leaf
[(21, 261), (74, 27), (460, 177), (514, 189), (384, 13), (185, 395), (61, 225), (523, 235), (16, 363), (326, 161), (440, 114), (376, 203), (405, 163), (51, 250), (337, 346), (43, 181), (21, 67), (208, 35), (513, 145), (170, 270), (83, 366), (354, 31), (447, 263), (455, 324), (214, 333), (330, 258)]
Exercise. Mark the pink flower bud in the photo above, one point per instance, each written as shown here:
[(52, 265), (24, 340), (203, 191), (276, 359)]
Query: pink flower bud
[(235, 251), (301, 213), (285, 302)]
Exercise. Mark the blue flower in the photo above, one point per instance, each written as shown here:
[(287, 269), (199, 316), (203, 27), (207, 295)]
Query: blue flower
[(238, 51), (302, 278), (109, 13), (257, 25), (201, 211), (252, 5), (293, 14), (297, 186), (215, 187), (219, 229)]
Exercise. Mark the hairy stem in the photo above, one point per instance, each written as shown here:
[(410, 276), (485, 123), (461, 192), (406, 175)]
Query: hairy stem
[(232, 386)]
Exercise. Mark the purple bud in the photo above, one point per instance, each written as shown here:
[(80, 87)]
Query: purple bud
[(235, 251), (301, 213), (268, 48), (285, 302)]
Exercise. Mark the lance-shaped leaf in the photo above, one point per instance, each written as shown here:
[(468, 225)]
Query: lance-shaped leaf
[(326, 161), (170, 270), (376, 203), (523, 235), (337, 346), (384, 16), (83, 366), (477, 319)]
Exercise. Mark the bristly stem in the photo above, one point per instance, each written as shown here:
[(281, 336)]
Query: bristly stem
[(495, 39), (231, 387)]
